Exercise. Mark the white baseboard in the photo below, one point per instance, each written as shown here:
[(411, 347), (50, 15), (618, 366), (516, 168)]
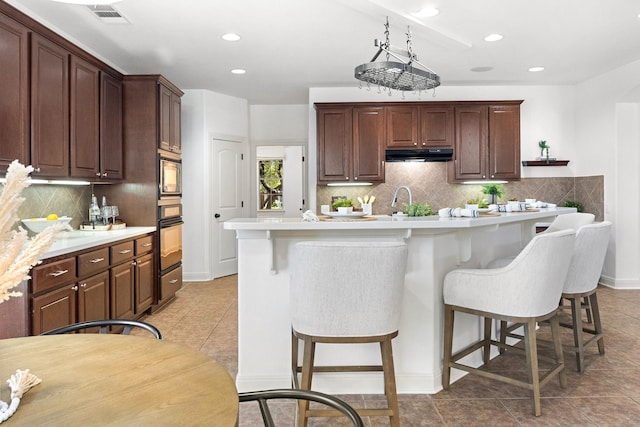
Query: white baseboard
[(613, 283)]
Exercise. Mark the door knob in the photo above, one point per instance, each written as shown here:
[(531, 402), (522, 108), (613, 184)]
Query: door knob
[(217, 215)]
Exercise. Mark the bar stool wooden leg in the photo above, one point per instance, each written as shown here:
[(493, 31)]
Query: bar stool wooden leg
[(557, 347), (503, 336), (595, 313), (531, 351), (390, 381), (294, 361), (448, 346), (306, 377), (486, 354), (576, 314)]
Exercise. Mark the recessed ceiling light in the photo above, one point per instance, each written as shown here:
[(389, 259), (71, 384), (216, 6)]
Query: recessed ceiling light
[(536, 69), (238, 71), (88, 2), (493, 37), (427, 12), (481, 69), (230, 37)]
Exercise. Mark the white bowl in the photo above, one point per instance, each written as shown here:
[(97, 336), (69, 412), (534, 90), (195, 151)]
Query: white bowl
[(38, 224)]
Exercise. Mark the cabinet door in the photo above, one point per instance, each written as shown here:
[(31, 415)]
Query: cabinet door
[(49, 108), (93, 298), (436, 127), (368, 144), (335, 137), (122, 298), (470, 142), (144, 282), (110, 127), (85, 118), (164, 117), (174, 124), (504, 142), (54, 309), (402, 127), (14, 87)]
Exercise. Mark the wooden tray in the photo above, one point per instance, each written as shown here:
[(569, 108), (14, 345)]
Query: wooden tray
[(329, 219)]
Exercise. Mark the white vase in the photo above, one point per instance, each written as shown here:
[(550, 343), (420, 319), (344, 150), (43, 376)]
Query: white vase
[(345, 211)]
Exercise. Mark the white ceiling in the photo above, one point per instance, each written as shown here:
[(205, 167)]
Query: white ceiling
[(288, 46)]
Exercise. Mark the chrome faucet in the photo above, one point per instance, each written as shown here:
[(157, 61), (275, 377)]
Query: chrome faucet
[(395, 195)]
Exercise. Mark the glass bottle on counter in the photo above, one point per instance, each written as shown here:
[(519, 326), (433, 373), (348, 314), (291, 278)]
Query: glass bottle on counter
[(94, 210)]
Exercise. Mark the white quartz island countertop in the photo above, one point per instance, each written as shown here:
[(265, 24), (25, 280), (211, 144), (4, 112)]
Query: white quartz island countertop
[(435, 247), (77, 240)]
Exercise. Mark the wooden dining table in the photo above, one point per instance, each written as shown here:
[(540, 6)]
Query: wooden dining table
[(123, 380)]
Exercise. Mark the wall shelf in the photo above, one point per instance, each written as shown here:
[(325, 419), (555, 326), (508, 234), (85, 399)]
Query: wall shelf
[(545, 162)]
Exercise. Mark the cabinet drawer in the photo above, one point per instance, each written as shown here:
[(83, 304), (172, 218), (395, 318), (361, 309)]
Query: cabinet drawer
[(121, 252), (49, 276), (144, 245), (93, 262), (170, 283)]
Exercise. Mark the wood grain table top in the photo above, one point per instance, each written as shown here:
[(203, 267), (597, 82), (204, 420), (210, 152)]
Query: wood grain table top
[(93, 379)]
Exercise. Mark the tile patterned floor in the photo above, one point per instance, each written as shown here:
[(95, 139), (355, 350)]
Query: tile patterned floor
[(204, 317)]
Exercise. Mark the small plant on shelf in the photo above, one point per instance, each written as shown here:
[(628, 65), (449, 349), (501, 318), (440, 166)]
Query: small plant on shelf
[(417, 209), (543, 146), (573, 204)]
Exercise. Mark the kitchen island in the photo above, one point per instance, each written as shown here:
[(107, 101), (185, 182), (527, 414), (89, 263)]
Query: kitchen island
[(436, 246)]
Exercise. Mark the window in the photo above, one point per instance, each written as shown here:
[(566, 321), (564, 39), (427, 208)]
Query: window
[(270, 178)]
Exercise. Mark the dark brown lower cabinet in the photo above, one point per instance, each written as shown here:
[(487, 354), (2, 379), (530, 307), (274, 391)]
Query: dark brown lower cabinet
[(54, 309), (144, 274), (122, 294), (93, 298)]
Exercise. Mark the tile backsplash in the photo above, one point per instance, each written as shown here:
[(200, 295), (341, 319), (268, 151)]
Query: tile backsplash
[(428, 184), (62, 200)]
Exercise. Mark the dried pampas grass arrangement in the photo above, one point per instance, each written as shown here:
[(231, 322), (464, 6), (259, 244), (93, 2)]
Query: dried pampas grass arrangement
[(17, 253)]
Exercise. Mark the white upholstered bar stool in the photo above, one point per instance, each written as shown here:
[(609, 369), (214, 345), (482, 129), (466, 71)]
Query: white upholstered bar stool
[(573, 221), (346, 292), (521, 292), (581, 284)]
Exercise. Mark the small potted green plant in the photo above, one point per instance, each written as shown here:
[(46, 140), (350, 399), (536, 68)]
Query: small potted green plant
[(573, 204), (417, 209), (494, 191), (472, 204), (343, 206)]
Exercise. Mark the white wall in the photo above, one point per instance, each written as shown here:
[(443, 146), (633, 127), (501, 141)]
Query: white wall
[(607, 143), (205, 115)]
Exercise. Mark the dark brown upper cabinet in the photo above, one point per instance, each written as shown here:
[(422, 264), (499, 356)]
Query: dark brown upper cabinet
[(350, 143), (487, 142), (14, 87), (170, 116), (85, 119), (49, 108), (419, 126), (111, 149)]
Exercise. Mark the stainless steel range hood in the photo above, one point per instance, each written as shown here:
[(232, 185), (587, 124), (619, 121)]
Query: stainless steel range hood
[(420, 155)]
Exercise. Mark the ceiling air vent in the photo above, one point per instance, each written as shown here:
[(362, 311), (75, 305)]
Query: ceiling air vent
[(108, 14)]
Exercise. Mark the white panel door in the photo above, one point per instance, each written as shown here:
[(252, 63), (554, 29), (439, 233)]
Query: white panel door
[(227, 203)]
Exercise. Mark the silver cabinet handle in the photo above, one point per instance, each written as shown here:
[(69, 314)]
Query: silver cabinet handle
[(97, 173), (173, 281), (74, 288), (58, 273), (84, 285), (146, 245), (125, 251), (96, 260)]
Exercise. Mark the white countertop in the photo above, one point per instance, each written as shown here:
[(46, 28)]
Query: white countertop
[(77, 240), (387, 222)]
